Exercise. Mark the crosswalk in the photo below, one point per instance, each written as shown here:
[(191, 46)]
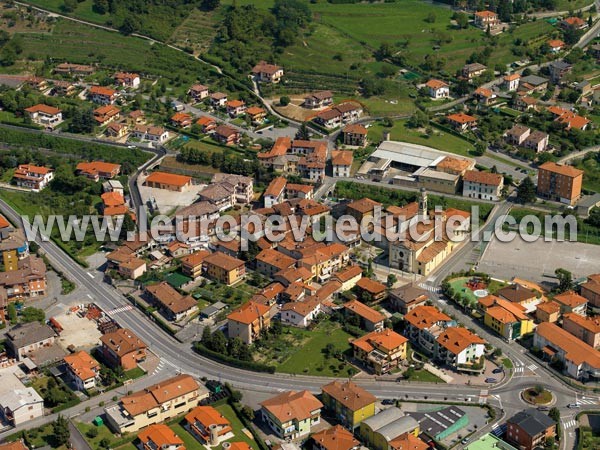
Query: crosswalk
[(520, 368), (570, 423), (587, 401), (159, 367), (120, 309), (433, 289), (498, 430), (483, 396)]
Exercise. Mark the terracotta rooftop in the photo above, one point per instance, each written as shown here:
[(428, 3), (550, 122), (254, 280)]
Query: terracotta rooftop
[(248, 312), (41, 108), (122, 341), (488, 178), (575, 350), (363, 205), (364, 311), (457, 339), (83, 365), (371, 286), (386, 339), (168, 178), (570, 299), (424, 317), (342, 158), (461, 118), (224, 261), (275, 258), (349, 394), (292, 405), (355, 128), (335, 438), (590, 324), (161, 436), (276, 187)]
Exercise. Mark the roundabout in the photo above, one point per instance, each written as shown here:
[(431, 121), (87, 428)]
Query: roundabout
[(538, 396)]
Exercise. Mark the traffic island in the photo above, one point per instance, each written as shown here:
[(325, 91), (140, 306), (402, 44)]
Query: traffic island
[(537, 396)]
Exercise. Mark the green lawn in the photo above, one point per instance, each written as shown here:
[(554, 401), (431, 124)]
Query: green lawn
[(38, 437), (305, 353), (459, 287), (103, 433), (507, 363), (191, 443), (591, 166), (438, 139), (424, 376), (237, 426)]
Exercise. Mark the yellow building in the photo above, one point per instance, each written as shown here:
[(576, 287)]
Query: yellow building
[(505, 318), (224, 268), (378, 431), (350, 403)]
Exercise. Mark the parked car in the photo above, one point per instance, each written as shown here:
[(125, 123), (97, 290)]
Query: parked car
[(388, 401), (498, 370), (573, 405), (543, 408), (491, 380)]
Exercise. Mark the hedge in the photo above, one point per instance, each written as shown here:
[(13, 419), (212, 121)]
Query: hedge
[(248, 365)]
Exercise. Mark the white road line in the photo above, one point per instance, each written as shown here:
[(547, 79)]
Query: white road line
[(91, 276), (90, 297)]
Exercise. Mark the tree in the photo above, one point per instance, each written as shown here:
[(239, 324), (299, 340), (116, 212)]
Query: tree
[(284, 100), (127, 226), (92, 433), (206, 339), (219, 342), (131, 24), (418, 120), (248, 412), (100, 6), (234, 347), (69, 6), (31, 314), (526, 191), (554, 414), (391, 280), (565, 280), (303, 133), (12, 312), (462, 20), (209, 5), (60, 429), (236, 396), (430, 18)]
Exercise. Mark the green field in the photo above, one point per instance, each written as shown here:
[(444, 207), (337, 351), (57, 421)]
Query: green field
[(304, 351), (103, 433), (591, 166), (438, 139)]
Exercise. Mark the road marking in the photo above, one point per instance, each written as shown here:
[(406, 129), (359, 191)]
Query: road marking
[(587, 401), (570, 424), (90, 297), (91, 276), (120, 309), (532, 367)]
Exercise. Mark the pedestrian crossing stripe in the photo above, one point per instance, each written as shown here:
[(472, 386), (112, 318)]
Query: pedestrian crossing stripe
[(587, 402), (532, 367), (570, 424), (120, 309)]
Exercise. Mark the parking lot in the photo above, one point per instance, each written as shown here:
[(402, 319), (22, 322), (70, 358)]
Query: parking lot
[(536, 261)]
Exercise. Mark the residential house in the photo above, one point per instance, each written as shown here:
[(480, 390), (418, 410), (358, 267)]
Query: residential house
[(33, 177), (248, 321), (37, 83), (181, 120), (243, 187), (590, 290), (83, 370), (348, 403), (323, 261), (45, 115), (511, 82), (486, 19), (301, 191), (123, 348), (369, 318), (235, 108), (98, 169), (459, 348), (275, 192), (507, 319), (208, 425), (382, 351), (150, 133), (581, 361), (63, 88), (555, 45), (576, 23), (558, 70), (379, 431), (20, 404), (484, 96), (74, 69), (462, 122), (339, 115), (570, 302), (102, 95), (224, 268), (221, 195), (218, 99), (517, 134), (334, 438), (20, 445), (559, 182), (525, 103), (529, 429), (302, 312), (319, 99), (362, 209), (116, 130), (106, 114), (227, 135), (172, 304), (267, 73), (424, 324), (207, 124), (483, 185), (406, 298), (437, 89), (155, 404), (355, 134), (160, 436), (191, 265), (347, 277), (256, 115), (537, 141), (584, 328), (522, 293), (291, 414), (27, 280), (126, 79), (271, 261), (198, 92), (168, 181), (473, 70), (133, 268), (548, 312), (24, 339), (341, 162), (371, 291)]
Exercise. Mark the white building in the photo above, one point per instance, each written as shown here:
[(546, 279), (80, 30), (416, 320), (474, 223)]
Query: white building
[(341, 161), (19, 404), (482, 185), (437, 89), (300, 313), (45, 115)]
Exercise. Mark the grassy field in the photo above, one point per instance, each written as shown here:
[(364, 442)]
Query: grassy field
[(196, 32), (591, 166), (438, 139), (424, 376), (103, 433), (305, 351)]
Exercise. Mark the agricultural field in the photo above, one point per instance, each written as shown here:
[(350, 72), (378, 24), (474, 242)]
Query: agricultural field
[(196, 32)]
